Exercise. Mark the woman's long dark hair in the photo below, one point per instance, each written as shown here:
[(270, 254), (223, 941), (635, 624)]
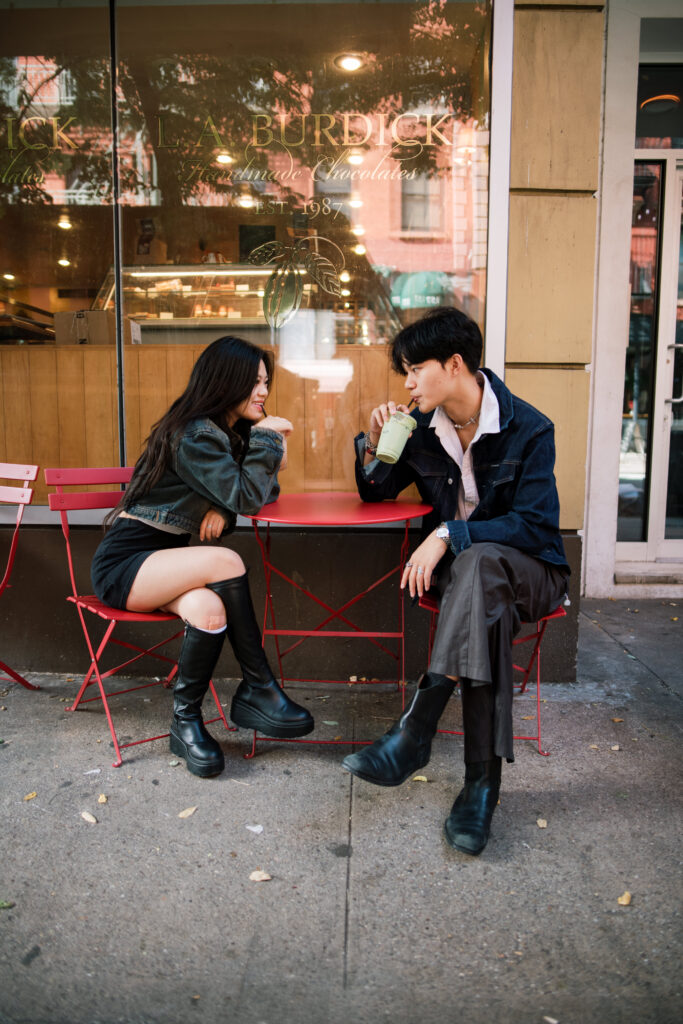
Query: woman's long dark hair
[(223, 377)]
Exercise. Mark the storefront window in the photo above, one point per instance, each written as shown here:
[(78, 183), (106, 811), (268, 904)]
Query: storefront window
[(308, 189)]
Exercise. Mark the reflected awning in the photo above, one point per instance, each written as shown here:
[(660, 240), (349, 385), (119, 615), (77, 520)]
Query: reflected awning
[(422, 289)]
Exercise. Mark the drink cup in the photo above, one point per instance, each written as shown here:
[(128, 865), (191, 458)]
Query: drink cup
[(395, 433)]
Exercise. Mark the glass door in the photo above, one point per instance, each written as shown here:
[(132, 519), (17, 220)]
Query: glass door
[(650, 520)]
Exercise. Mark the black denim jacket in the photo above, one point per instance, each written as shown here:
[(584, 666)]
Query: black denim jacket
[(209, 471), (518, 502)]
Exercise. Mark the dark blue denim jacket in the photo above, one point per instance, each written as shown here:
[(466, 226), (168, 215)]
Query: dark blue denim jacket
[(206, 472), (518, 503)]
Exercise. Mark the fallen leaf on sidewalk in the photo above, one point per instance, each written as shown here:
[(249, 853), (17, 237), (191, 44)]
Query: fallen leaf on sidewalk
[(594, 746), (625, 900), (6, 904), (615, 746), (30, 796), (256, 829), (102, 799), (617, 719), (552, 1020), (541, 822), (260, 876), (325, 722), (173, 764), (419, 778), (90, 818), (187, 813), (674, 618), (528, 718)]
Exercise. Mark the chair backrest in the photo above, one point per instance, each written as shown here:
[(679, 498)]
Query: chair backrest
[(19, 496), (75, 501)]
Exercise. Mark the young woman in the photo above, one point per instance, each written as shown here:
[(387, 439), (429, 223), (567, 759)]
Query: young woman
[(214, 454)]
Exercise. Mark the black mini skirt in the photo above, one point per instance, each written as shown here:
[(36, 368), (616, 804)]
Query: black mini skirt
[(123, 549)]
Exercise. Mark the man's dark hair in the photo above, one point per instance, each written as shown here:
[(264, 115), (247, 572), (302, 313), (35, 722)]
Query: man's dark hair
[(439, 334)]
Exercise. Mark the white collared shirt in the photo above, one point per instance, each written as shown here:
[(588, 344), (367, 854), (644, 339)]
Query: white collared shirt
[(488, 423)]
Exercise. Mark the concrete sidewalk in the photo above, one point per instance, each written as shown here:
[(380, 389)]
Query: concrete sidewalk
[(369, 916)]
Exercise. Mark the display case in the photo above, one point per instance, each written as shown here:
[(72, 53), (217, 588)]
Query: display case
[(193, 304), (190, 304)]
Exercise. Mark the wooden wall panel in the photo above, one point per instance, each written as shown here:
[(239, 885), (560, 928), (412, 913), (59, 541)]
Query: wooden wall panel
[(345, 425), (44, 424), (551, 278), (16, 398), (101, 428), (556, 99), (290, 403), (562, 395)]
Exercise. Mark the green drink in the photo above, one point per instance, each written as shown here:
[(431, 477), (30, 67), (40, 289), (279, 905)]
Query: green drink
[(395, 433)]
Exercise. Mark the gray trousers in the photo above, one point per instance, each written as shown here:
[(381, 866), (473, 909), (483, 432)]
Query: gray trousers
[(487, 591)]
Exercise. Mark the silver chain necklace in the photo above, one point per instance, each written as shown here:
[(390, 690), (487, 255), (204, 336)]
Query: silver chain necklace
[(472, 419)]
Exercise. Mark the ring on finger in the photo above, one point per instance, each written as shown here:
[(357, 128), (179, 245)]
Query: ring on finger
[(420, 569), (409, 565)]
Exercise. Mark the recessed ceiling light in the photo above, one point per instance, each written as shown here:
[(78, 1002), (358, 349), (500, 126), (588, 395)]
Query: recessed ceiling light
[(660, 104), (355, 156), (8, 277), (349, 61), (355, 201), (224, 158), (358, 230), (345, 276), (64, 262), (64, 222), (359, 250)]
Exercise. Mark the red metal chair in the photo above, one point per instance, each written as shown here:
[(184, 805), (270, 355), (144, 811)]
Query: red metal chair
[(21, 497), (535, 638), (64, 502)]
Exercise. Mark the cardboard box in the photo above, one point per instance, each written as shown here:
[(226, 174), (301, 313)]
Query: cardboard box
[(89, 327)]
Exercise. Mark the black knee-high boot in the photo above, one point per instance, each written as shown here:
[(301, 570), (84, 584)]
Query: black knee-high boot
[(259, 701), (407, 746), (189, 738), (467, 826)]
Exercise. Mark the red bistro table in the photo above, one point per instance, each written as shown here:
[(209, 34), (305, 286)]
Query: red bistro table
[(340, 509)]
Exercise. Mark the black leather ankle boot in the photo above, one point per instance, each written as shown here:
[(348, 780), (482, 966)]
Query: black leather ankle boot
[(407, 746), (189, 738), (467, 826), (259, 701)]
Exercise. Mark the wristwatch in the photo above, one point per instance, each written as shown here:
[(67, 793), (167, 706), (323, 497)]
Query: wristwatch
[(443, 534)]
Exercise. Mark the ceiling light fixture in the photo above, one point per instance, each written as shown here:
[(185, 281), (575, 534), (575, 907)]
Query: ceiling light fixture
[(355, 156), (660, 104), (224, 157), (8, 277), (359, 250), (64, 262), (349, 61), (344, 276), (355, 201), (64, 222)]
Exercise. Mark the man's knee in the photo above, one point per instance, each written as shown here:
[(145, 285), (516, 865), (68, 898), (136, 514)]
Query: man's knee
[(476, 559)]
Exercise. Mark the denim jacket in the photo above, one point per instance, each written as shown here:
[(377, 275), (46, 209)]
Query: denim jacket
[(204, 473), (518, 503)]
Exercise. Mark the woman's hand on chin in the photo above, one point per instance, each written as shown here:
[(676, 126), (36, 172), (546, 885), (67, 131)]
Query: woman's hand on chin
[(277, 423)]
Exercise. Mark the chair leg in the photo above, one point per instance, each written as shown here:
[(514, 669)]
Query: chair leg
[(16, 677)]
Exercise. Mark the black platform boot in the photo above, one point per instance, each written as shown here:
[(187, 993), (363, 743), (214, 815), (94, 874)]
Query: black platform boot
[(467, 826), (259, 701), (189, 738), (407, 746)]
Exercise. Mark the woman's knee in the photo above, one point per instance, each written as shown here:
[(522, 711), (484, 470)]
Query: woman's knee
[(201, 608), (225, 565)]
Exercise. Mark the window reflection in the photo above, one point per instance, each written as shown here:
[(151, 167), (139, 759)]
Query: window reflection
[(308, 189)]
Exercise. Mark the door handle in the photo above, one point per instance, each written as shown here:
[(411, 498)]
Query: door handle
[(674, 401)]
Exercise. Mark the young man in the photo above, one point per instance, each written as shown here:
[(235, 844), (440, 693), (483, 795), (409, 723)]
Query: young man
[(491, 549)]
